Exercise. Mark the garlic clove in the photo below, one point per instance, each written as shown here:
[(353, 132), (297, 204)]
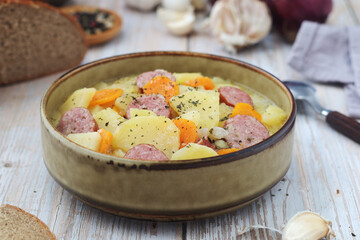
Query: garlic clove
[(143, 5), (178, 23), (167, 15), (307, 226), (222, 19), (183, 26), (176, 5), (231, 42)]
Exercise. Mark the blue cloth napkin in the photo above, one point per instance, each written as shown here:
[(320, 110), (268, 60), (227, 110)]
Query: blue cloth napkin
[(326, 53)]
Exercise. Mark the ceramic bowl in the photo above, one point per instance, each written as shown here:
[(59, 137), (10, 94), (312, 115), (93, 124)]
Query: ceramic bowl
[(101, 37), (167, 191)]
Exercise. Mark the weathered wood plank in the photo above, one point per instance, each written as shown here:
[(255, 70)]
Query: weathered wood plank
[(25, 181), (316, 178), (354, 9), (342, 14)]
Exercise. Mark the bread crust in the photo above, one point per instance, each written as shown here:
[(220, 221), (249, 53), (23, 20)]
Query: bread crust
[(65, 15), (31, 216)]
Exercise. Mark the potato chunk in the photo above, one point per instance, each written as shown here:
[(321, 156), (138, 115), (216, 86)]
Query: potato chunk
[(193, 151), (183, 77), (273, 118), (95, 109), (184, 88), (127, 84), (122, 102), (193, 116), (108, 119), (260, 103), (79, 98), (155, 130), (204, 102), (55, 119), (135, 112), (225, 112), (90, 140), (101, 85), (118, 153), (218, 81)]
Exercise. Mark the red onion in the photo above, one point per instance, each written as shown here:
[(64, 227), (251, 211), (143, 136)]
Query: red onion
[(289, 14)]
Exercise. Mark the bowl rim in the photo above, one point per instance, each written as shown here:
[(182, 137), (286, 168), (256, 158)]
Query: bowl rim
[(178, 164)]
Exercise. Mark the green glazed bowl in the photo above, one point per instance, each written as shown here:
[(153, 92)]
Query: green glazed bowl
[(167, 191)]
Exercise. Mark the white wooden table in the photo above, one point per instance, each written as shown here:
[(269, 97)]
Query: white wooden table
[(324, 175)]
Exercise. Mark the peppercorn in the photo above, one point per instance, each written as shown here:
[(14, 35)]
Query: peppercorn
[(94, 22)]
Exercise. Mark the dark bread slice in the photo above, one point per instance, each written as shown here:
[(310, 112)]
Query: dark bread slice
[(16, 224), (37, 39), (54, 2)]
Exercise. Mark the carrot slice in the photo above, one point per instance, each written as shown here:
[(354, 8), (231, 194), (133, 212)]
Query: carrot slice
[(163, 86), (188, 132), (206, 82), (227, 150), (106, 97), (106, 139), (245, 109)]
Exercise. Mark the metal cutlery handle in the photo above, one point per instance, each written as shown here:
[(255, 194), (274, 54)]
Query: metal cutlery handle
[(344, 124)]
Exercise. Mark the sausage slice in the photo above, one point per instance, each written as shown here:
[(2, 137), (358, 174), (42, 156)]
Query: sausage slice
[(244, 131), (145, 152), (146, 77), (232, 95), (77, 120), (206, 142), (155, 103)]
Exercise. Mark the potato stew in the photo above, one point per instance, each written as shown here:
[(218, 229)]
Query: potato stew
[(164, 116)]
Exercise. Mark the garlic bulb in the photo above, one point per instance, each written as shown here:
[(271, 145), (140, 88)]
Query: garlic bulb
[(144, 5), (177, 22), (239, 23), (307, 226)]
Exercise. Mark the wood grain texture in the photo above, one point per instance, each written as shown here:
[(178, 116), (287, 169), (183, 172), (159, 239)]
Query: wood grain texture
[(324, 176), (354, 9)]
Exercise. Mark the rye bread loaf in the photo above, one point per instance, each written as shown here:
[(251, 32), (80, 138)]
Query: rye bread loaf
[(16, 224), (37, 39)]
